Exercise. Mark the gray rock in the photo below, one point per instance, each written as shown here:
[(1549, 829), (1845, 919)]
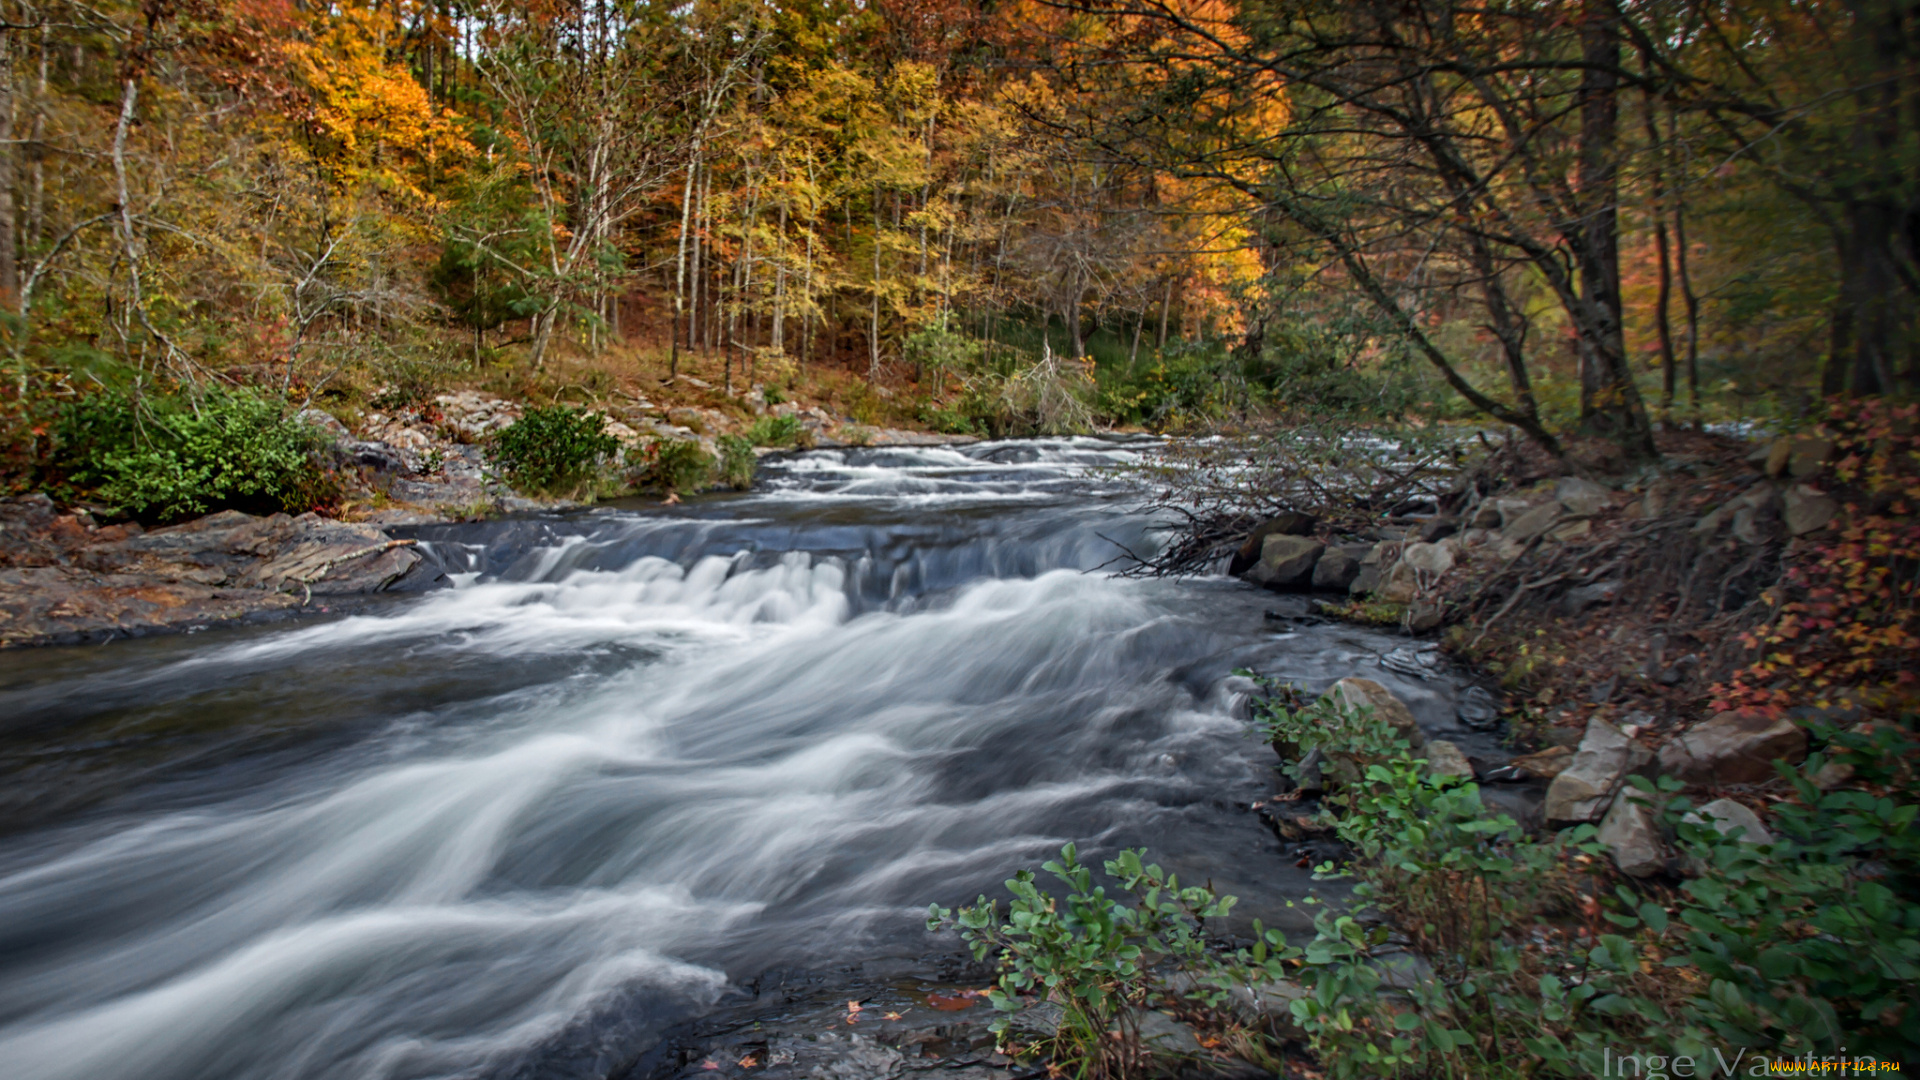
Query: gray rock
[(1583, 790), (1580, 496), (325, 421), (1484, 516), (1531, 524), (1433, 559), (1445, 759), (1733, 819), (1365, 693), (1545, 764), (1291, 523), (1629, 832), (1337, 569), (1165, 1035), (1580, 599), (1736, 747), (1477, 709), (1422, 617), (1438, 528), (1285, 561), (1807, 510)]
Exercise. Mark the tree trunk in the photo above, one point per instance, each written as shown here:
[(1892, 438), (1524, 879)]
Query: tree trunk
[(9, 246), (873, 331), (680, 265), (1610, 404)]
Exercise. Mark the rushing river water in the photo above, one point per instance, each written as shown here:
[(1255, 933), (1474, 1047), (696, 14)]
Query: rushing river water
[(629, 756)]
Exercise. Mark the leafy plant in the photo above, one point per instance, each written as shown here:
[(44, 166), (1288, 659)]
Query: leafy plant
[(553, 450), (776, 431), (675, 465), (737, 462), (1102, 961), (166, 458)]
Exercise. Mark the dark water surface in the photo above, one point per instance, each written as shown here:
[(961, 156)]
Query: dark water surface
[(630, 756)]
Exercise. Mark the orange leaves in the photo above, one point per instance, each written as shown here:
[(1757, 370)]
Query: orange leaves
[(368, 119)]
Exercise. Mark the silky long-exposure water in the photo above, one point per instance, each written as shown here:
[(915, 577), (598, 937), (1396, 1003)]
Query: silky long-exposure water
[(626, 757)]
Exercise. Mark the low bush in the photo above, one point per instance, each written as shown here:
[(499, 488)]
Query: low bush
[(1102, 961), (781, 431), (672, 465), (164, 457), (737, 462), (554, 451)]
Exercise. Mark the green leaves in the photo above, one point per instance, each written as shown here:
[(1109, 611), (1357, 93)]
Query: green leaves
[(553, 450)]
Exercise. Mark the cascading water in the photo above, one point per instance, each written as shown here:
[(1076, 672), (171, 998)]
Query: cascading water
[(630, 755)]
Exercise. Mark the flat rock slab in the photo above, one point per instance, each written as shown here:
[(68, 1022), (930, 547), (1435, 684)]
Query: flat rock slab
[(64, 579)]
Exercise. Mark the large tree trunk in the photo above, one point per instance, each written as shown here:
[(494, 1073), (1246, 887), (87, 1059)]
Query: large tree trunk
[(1610, 404), (1873, 316)]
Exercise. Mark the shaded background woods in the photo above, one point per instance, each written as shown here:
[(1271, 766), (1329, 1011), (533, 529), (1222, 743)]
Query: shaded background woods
[(1575, 218)]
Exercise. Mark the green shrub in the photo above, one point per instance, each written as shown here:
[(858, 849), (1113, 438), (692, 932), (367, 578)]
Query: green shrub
[(1102, 961), (553, 451), (783, 431), (737, 461), (165, 458), (673, 465)]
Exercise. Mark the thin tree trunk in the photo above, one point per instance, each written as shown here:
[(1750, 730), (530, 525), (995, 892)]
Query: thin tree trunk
[(873, 330), (9, 236), (779, 341), (680, 264), (37, 193), (1662, 320), (1166, 305), (1692, 303)]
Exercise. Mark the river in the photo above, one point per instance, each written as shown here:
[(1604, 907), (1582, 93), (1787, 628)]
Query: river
[(630, 757)]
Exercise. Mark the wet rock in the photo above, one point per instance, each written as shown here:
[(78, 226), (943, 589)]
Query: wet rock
[(1285, 561), (1357, 693), (1477, 709), (1630, 834), (1806, 509), (1582, 791), (1445, 759), (1578, 496), (1421, 662), (1732, 819), (1338, 568), (1545, 764), (1290, 523), (1737, 747)]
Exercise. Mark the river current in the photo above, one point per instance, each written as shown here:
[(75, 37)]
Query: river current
[(623, 761)]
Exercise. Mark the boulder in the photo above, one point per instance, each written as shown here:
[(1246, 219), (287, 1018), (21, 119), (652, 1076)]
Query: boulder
[(324, 421), (1337, 569), (1545, 764), (1425, 616), (1285, 561), (1799, 456), (1578, 496), (1291, 523), (1580, 599), (1807, 510), (1400, 583), (1445, 759), (1732, 819), (1531, 524), (1438, 528), (1630, 834), (1572, 530), (1484, 516), (1582, 791), (1358, 693), (1737, 747), (1434, 559)]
